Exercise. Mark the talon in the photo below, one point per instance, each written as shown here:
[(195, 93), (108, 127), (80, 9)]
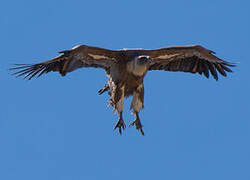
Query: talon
[(137, 124), (121, 125)]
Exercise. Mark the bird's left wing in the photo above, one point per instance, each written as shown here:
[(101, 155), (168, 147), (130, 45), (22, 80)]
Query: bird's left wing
[(193, 59), (68, 61)]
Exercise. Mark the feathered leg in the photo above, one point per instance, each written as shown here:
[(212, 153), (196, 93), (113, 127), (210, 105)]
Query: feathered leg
[(116, 100), (137, 105)]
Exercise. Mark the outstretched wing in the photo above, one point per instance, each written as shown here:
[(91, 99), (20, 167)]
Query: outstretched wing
[(68, 61), (193, 59)]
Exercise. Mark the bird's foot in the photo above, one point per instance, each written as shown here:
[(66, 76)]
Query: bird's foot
[(105, 88), (120, 125), (137, 124)]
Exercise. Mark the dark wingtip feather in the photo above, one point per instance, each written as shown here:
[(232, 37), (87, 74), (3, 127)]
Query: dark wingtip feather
[(26, 70), (205, 70), (230, 64), (220, 69), (224, 66), (20, 66), (213, 71)]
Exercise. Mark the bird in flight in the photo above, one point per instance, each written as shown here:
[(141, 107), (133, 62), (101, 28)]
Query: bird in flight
[(127, 68)]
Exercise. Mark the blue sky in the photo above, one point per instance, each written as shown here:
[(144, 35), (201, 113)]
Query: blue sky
[(59, 128)]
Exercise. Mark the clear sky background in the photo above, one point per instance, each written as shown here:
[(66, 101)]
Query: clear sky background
[(59, 128)]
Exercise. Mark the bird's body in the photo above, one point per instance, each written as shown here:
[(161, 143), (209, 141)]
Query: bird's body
[(127, 68)]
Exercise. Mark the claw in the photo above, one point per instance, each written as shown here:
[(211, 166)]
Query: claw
[(137, 124), (120, 124)]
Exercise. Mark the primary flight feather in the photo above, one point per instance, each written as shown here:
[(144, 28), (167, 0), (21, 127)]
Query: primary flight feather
[(127, 68)]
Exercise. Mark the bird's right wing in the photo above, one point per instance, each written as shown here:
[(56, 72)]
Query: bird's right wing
[(68, 61), (193, 59)]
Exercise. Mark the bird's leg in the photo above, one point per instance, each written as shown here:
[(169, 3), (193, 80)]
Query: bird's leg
[(117, 102), (105, 88), (120, 124), (137, 105), (137, 123)]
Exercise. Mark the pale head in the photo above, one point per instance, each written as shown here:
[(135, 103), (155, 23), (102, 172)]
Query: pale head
[(143, 59), (139, 65)]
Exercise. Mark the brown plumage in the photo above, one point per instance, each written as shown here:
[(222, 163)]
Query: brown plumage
[(127, 69)]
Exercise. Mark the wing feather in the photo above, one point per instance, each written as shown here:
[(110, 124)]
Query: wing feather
[(213, 70), (206, 71), (220, 69), (68, 61), (193, 59)]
